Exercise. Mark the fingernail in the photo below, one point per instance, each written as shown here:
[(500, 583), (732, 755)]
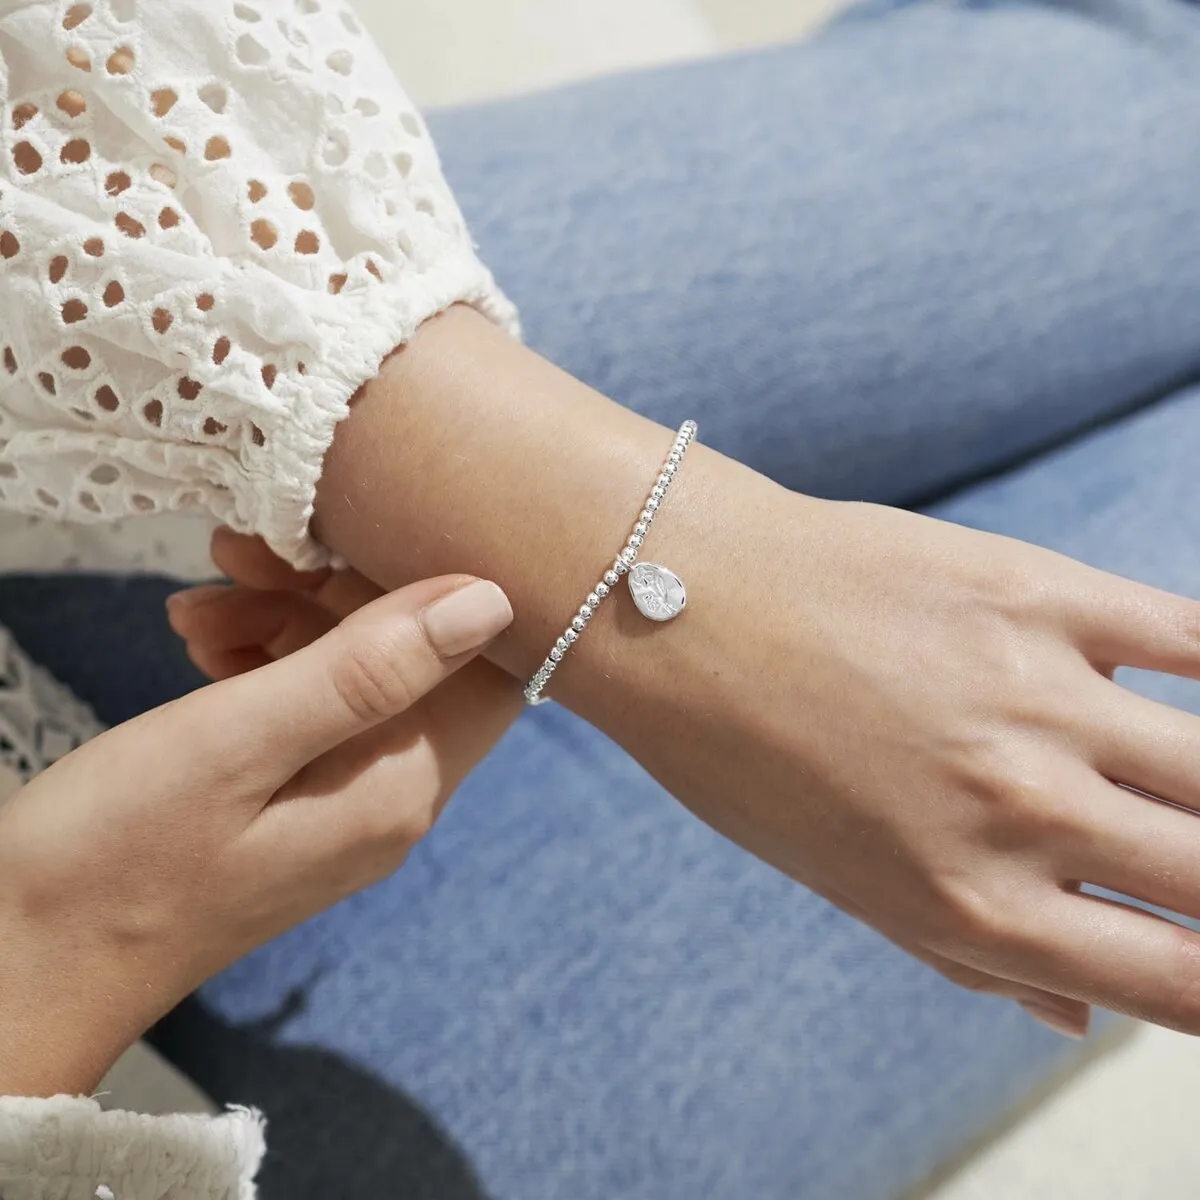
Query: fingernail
[(197, 595), (467, 618), (1057, 1021)]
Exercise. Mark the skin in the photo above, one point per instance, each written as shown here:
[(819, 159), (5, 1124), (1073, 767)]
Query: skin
[(916, 720), (156, 855)]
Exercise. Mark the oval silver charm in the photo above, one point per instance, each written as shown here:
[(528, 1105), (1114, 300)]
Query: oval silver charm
[(658, 592)]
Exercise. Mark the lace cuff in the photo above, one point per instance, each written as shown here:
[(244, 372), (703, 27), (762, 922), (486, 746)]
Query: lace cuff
[(216, 220), (67, 1149)]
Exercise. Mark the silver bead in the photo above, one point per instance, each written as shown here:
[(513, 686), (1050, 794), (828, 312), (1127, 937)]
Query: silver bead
[(626, 563)]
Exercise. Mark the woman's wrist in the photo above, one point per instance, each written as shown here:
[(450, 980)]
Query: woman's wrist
[(58, 1038), (470, 452), (49, 1053)]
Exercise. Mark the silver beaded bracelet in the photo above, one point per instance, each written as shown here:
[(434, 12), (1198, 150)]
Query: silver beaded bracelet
[(657, 591)]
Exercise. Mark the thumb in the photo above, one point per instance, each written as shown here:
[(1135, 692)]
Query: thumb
[(376, 664)]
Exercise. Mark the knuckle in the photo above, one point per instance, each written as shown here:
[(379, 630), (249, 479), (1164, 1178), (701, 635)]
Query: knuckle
[(393, 825), (1036, 812), (403, 814), (972, 919), (979, 928), (979, 921), (371, 682), (1023, 802), (414, 825), (1014, 589), (1031, 582)]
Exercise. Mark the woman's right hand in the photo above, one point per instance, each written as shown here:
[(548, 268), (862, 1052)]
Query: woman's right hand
[(919, 722), (143, 863)]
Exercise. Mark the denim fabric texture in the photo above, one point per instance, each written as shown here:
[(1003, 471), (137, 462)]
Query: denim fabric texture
[(943, 254)]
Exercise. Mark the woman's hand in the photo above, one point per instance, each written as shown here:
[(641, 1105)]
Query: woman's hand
[(919, 721), (150, 859), (916, 720), (267, 611)]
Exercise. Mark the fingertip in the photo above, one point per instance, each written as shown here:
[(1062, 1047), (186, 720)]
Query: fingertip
[(227, 545), (250, 561), (224, 536), (466, 618), (181, 604)]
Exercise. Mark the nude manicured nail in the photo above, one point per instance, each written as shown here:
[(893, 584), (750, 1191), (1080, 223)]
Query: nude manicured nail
[(196, 595), (467, 618), (1055, 1020)]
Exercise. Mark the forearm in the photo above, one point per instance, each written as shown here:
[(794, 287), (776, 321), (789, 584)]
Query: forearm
[(56, 1042), (471, 453)]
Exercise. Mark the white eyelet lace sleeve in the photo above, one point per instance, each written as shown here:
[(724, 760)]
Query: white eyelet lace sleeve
[(216, 220)]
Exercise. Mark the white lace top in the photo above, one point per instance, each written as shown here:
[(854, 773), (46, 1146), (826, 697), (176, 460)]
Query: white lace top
[(216, 219)]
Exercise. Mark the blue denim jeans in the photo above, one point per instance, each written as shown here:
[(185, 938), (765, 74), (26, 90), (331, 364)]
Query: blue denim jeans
[(944, 254)]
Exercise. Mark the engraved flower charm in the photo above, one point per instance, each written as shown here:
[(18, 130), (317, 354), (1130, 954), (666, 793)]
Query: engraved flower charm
[(658, 592)]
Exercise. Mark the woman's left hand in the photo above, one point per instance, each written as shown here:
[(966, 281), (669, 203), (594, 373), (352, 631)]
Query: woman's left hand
[(147, 861)]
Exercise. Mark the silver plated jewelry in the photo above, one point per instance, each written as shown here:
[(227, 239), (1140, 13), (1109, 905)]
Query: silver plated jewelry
[(658, 593)]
